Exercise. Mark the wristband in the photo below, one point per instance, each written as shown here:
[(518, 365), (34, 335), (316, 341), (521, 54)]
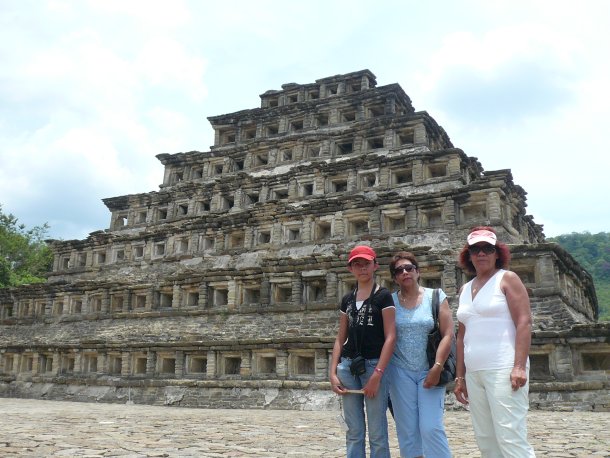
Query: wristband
[(377, 369), (457, 379), (436, 363)]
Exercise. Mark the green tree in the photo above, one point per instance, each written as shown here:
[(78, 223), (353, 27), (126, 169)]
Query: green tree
[(24, 255), (592, 251)]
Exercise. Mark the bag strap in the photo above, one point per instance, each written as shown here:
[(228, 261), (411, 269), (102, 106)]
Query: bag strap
[(435, 305)]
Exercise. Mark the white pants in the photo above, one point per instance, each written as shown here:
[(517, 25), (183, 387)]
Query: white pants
[(499, 414)]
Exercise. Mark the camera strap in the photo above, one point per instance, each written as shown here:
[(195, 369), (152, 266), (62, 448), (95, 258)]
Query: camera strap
[(367, 303)]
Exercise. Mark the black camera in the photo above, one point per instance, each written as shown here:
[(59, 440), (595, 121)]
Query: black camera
[(358, 366)]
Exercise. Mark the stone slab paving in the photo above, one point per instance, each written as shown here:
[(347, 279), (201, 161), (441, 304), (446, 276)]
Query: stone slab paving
[(33, 428)]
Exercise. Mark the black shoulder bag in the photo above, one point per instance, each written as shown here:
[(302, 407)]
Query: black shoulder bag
[(358, 364), (434, 338)]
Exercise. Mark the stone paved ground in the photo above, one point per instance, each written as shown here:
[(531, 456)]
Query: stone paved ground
[(30, 428)]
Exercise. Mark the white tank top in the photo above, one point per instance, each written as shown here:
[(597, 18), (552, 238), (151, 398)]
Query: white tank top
[(489, 341)]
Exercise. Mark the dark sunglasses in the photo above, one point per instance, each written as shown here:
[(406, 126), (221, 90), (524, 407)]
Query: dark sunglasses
[(405, 268), (487, 249)]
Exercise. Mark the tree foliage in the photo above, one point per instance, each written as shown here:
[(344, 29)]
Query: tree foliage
[(592, 251), (24, 256)]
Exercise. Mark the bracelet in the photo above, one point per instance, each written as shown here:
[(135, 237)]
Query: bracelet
[(377, 369), (457, 379), (436, 363)]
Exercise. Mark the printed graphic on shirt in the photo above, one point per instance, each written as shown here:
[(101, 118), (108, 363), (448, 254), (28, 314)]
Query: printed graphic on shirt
[(360, 316)]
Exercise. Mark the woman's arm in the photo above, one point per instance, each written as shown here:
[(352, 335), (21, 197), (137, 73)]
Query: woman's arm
[(389, 329), (519, 307), (335, 383), (445, 321), (460, 390)]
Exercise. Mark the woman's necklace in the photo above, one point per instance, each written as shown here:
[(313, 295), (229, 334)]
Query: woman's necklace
[(475, 288), (408, 302), (478, 283)]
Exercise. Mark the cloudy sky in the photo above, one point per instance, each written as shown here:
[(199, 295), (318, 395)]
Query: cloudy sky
[(91, 91)]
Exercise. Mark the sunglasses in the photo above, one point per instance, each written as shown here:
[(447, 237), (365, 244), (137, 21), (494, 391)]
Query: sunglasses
[(405, 268), (487, 249)]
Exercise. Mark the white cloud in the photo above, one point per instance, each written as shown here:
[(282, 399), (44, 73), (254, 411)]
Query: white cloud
[(95, 89), (166, 62), (152, 14)]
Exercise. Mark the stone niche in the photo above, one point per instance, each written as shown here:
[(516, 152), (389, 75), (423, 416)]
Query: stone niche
[(221, 289)]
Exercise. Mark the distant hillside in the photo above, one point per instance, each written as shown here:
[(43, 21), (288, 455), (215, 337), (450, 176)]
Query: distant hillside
[(593, 253)]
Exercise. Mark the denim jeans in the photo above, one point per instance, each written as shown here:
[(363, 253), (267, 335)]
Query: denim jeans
[(418, 413), (499, 414), (354, 406)]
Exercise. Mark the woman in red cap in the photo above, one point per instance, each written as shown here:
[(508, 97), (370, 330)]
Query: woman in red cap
[(493, 341), (362, 350)]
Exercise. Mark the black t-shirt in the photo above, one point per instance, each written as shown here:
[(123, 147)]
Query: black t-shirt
[(370, 337)]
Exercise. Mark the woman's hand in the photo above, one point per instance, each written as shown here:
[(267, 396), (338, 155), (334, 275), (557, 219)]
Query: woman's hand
[(372, 386), (336, 385), (460, 390), (518, 378), (434, 375)]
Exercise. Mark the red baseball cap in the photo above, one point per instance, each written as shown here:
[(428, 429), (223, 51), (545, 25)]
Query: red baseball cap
[(362, 251)]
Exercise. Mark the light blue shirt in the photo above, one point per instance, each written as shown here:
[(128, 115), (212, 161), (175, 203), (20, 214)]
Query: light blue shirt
[(412, 328)]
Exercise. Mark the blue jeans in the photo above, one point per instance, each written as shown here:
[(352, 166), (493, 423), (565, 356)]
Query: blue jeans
[(418, 413), (353, 410)]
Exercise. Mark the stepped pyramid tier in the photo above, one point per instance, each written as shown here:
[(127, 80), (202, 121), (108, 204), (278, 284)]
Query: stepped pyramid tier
[(221, 289)]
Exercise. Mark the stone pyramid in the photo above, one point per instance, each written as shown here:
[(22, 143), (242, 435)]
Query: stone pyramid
[(221, 288)]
